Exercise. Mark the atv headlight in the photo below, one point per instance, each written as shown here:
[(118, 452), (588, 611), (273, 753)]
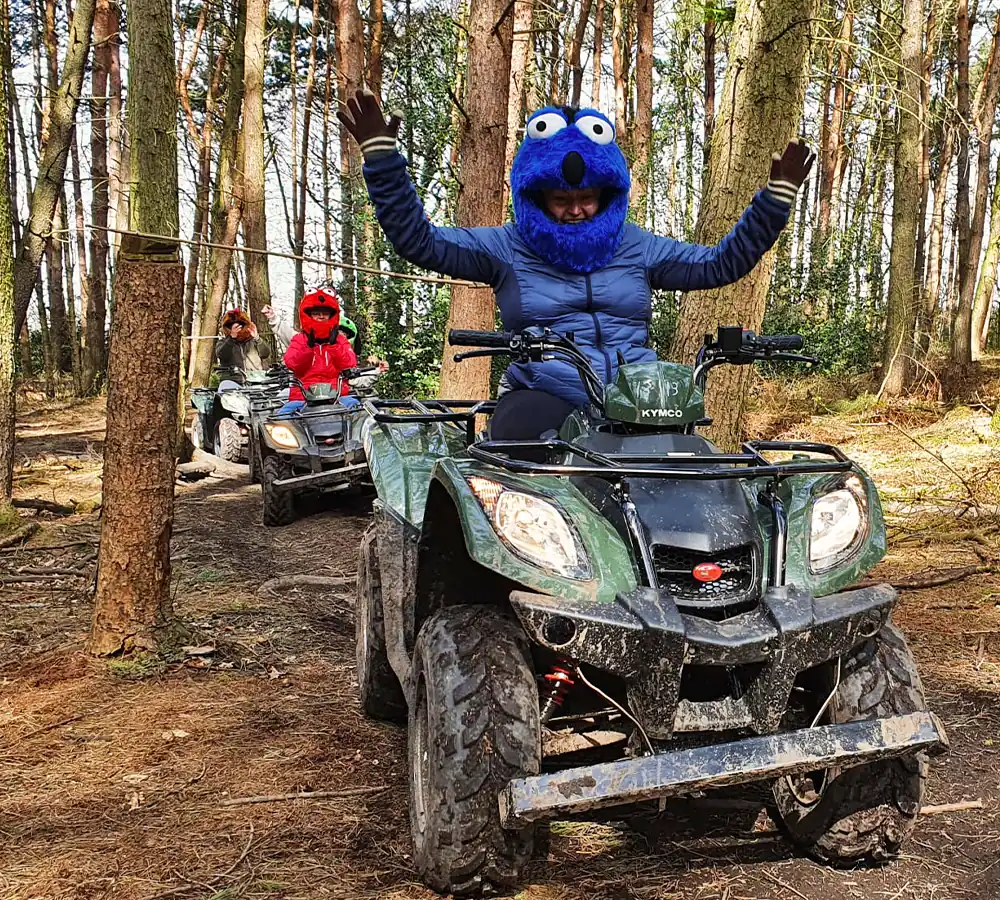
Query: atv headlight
[(839, 525), (283, 436), (534, 529)]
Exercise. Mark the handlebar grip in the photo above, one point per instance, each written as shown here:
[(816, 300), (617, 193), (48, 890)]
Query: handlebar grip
[(460, 337), (780, 342)]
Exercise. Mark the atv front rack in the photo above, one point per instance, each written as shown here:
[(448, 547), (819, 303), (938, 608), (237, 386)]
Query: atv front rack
[(456, 412)]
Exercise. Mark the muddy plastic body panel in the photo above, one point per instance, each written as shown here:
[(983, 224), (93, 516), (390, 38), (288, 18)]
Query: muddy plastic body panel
[(677, 772)]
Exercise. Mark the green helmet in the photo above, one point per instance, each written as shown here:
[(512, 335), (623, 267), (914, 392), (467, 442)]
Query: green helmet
[(349, 328)]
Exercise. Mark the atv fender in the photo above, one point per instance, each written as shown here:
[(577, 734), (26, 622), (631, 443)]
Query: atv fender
[(612, 568)]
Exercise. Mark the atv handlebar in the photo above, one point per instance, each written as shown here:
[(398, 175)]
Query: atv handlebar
[(781, 343), (461, 337)]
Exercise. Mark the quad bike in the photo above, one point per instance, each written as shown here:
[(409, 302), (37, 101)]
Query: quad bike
[(620, 613), (316, 448), (222, 419)]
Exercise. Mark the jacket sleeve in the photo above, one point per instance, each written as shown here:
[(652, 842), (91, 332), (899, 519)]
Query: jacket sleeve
[(263, 348), (677, 266), (282, 329), (343, 353), (475, 254), (299, 355), (224, 353)]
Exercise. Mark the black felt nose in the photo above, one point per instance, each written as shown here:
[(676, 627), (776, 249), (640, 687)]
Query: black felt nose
[(573, 168)]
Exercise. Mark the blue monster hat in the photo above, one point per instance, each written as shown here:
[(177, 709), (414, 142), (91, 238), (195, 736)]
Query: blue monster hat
[(569, 149)]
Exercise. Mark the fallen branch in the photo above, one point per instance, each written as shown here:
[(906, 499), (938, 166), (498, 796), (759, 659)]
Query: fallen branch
[(291, 581), (961, 806), (51, 571), (93, 542), (945, 576), (217, 465), (60, 509), (22, 534), (304, 795)]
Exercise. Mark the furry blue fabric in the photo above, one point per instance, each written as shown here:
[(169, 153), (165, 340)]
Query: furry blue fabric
[(580, 246)]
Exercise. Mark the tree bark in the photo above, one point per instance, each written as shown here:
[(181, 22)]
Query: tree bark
[(119, 155), (300, 223), (52, 163), (595, 98), (764, 92), (901, 317), (932, 282), (521, 46), (133, 609), (643, 131), (94, 344), (226, 206), (325, 153), (709, 64), (988, 275), (481, 178), (575, 51), (81, 252), (374, 71), (350, 72), (619, 64), (254, 202), (8, 331), (985, 114), (961, 335)]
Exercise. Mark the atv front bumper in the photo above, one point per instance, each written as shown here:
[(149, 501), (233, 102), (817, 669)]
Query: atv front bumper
[(322, 479), (643, 639), (679, 772)]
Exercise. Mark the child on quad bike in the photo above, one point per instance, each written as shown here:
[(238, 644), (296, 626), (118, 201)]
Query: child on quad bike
[(569, 260), (320, 351), (240, 348)]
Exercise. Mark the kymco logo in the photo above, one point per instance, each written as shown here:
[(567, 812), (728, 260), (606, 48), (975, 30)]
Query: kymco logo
[(661, 413)]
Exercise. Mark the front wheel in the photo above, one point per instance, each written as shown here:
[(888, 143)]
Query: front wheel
[(862, 814), (228, 442), (279, 506), (473, 726)]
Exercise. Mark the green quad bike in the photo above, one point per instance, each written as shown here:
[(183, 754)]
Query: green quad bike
[(620, 613)]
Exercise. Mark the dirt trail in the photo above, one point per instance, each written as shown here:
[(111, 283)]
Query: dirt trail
[(112, 776)]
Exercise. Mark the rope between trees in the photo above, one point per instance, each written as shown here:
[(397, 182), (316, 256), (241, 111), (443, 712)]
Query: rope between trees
[(405, 276)]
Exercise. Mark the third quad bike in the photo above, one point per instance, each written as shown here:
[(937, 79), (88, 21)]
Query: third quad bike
[(313, 449), (621, 613)]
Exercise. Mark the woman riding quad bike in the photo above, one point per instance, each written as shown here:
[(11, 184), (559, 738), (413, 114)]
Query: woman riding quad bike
[(241, 349), (569, 261)]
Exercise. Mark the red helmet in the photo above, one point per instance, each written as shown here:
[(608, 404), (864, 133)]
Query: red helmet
[(321, 298)]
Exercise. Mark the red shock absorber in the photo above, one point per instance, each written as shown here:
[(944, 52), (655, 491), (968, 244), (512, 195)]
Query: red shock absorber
[(560, 680)]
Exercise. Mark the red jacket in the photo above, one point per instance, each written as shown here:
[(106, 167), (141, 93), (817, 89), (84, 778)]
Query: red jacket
[(320, 363)]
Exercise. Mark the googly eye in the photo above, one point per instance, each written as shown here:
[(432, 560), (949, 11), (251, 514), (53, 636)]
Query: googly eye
[(596, 128), (545, 125)]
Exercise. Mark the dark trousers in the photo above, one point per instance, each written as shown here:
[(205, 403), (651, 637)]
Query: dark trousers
[(524, 415)]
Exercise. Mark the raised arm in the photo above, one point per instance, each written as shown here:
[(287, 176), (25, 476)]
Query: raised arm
[(475, 254), (675, 265)]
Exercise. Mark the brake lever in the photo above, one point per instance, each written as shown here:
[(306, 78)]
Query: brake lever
[(469, 354)]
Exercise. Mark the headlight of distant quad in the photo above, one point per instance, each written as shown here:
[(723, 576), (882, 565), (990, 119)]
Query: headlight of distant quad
[(283, 436), (839, 525), (534, 529)]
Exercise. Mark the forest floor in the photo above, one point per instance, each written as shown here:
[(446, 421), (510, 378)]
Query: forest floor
[(118, 779)]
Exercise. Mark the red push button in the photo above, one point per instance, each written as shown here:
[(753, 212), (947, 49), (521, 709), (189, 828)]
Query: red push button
[(707, 572)]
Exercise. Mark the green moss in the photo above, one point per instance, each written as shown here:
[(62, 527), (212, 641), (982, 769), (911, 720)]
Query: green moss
[(10, 521), (137, 666)]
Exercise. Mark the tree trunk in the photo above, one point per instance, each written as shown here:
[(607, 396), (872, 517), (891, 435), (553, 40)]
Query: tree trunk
[(985, 113), (619, 63), (988, 275), (254, 202), (119, 155), (52, 163), (350, 72), (595, 99), (8, 331), (932, 283), (300, 222), (520, 48), (575, 51), (374, 46), (133, 609), (81, 252), (226, 206), (833, 153), (764, 91), (481, 178), (94, 356), (709, 64), (961, 335), (643, 132), (325, 154), (902, 308)]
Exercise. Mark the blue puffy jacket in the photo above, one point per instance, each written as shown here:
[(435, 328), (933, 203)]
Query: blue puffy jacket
[(607, 310)]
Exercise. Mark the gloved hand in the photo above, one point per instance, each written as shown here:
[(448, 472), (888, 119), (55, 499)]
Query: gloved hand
[(367, 124), (789, 170)]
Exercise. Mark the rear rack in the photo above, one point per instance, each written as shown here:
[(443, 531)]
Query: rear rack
[(456, 412)]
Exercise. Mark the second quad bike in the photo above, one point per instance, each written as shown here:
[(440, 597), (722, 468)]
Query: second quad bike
[(619, 613), (222, 416), (317, 448)]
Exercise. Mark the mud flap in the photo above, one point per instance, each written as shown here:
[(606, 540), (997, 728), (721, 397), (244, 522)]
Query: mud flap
[(679, 772)]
